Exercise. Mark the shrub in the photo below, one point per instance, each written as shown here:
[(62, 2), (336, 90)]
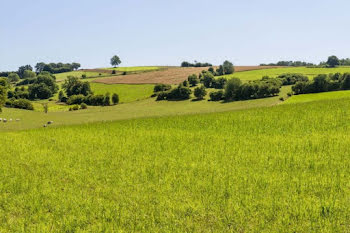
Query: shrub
[(281, 99), (216, 95), (289, 94), (107, 100), (20, 103), (75, 107), (179, 93), (114, 72), (39, 91), (162, 95), (232, 89), (76, 99), (291, 79), (208, 79), (83, 106), (13, 77), (219, 83), (73, 86), (200, 92), (83, 76), (95, 100), (115, 98), (193, 79), (161, 87)]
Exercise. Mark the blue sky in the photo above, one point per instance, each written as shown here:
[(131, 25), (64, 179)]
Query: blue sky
[(160, 32)]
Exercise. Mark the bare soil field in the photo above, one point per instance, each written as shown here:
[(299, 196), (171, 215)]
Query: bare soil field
[(174, 75)]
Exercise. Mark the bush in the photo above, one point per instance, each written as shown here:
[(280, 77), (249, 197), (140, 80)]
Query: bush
[(20, 103), (291, 79), (39, 91), (232, 89), (76, 99), (75, 107), (114, 72), (107, 100), (200, 92), (73, 86), (289, 94), (179, 93), (83, 106), (216, 95), (281, 99), (219, 83), (161, 87), (208, 79), (193, 80), (83, 76), (162, 95), (95, 100), (115, 98)]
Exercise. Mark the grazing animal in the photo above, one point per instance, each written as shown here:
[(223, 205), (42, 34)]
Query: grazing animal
[(4, 120), (0, 119), (45, 126), (10, 119), (50, 122)]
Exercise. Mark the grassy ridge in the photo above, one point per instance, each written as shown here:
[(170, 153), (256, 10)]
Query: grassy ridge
[(276, 169), (311, 72), (63, 76), (135, 68)]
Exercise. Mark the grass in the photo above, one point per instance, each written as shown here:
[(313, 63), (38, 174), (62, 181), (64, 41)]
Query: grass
[(127, 93), (311, 72), (136, 68), (62, 76), (278, 169), (318, 96), (139, 109)]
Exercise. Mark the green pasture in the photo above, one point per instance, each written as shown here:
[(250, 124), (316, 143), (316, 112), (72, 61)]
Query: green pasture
[(62, 76), (127, 93), (318, 96), (274, 72), (279, 169)]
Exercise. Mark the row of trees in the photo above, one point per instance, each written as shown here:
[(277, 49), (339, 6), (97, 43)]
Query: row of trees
[(195, 64), (323, 83), (56, 68), (289, 63)]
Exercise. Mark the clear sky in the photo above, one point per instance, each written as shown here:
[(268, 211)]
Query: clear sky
[(166, 32)]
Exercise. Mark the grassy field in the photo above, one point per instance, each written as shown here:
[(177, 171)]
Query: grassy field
[(278, 169), (139, 109), (318, 96), (127, 93), (135, 68), (311, 72), (62, 76)]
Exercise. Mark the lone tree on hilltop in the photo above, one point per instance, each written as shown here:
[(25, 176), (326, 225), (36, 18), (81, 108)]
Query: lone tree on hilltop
[(333, 61), (115, 61)]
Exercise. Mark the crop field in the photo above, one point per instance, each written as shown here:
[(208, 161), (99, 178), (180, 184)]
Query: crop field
[(318, 96), (170, 75), (136, 68), (283, 168), (273, 72), (127, 93)]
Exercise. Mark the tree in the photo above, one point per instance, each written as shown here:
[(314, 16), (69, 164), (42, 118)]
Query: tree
[(75, 65), (208, 79), (193, 80), (39, 91), (107, 99), (115, 98), (13, 77), (333, 61), (200, 92), (228, 67), (21, 70), (3, 96), (28, 74), (39, 67), (73, 86), (232, 88), (115, 61)]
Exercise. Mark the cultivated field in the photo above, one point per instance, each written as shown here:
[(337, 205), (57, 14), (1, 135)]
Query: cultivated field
[(171, 75), (278, 169)]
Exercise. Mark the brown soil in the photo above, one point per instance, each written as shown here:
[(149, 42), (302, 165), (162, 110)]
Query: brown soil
[(168, 76)]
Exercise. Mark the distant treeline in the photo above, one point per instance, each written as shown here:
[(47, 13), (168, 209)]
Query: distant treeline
[(196, 64), (289, 63), (53, 68)]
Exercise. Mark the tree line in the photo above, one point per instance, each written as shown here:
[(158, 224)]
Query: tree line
[(195, 64), (331, 62)]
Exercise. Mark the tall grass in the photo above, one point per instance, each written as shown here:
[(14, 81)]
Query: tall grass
[(278, 169)]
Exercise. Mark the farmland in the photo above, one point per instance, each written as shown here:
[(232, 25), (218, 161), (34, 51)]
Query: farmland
[(287, 164)]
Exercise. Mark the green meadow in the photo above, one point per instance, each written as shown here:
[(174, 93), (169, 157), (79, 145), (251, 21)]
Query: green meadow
[(278, 169), (274, 72), (62, 76), (127, 93)]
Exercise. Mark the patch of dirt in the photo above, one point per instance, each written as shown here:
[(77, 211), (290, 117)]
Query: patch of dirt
[(174, 75)]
